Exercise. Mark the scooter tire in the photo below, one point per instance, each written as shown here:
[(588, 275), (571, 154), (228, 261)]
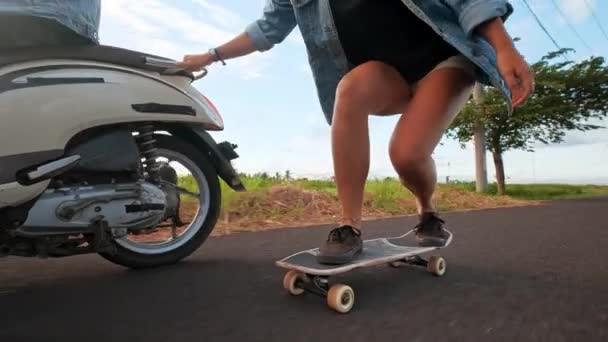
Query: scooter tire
[(130, 259)]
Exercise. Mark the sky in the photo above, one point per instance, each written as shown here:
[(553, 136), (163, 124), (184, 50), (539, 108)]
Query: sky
[(269, 102)]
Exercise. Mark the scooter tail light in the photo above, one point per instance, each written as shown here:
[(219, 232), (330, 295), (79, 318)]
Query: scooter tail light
[(215, 112)]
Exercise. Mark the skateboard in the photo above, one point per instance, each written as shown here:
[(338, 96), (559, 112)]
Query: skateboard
[(305, 274)]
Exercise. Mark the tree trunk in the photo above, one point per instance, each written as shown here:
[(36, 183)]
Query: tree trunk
[(479, 137), (500, 173)]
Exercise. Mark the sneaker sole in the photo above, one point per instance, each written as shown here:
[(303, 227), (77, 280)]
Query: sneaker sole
[(431, 242), (337, 259)]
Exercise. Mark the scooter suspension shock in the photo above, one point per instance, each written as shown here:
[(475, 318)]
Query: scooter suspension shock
[(147, 147)]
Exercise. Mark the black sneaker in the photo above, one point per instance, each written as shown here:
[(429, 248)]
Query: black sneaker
[(341, 247), (430, 232)]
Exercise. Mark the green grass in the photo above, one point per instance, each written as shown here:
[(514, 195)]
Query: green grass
[(316, 185), (280, 201), (544, 191), (386, 193), (555, 191)]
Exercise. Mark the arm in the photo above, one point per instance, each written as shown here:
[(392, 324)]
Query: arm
[(486, 19), (473, 13), (511, 64), (496, 34), (275, 25), (240, 45)]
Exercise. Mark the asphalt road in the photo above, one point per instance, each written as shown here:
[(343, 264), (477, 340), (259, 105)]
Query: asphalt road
[(519, 274)]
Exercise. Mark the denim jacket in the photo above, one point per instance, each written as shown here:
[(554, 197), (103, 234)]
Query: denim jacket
[(454, 20), (81, 16)]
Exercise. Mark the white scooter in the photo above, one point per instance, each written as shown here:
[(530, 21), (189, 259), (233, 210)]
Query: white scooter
[(105, 150)]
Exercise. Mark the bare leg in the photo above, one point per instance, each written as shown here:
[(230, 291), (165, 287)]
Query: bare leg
[(372, 88), (376, 88), (437, 100)]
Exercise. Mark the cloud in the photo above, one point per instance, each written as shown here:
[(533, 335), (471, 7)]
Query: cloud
[(221, 15), (586, 138), (578, 9), (163, 28), (526, 29), (314, 133), (576, 138)]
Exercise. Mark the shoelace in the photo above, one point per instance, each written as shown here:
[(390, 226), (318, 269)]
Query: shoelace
[(340, 234)]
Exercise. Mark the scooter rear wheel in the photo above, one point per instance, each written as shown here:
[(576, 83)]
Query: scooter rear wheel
[(134, 251)]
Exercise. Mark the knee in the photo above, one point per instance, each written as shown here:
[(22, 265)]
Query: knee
[(358, 88), (406, 160), (352, 91)]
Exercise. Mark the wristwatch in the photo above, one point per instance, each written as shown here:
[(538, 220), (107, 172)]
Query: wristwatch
[(216, 56)]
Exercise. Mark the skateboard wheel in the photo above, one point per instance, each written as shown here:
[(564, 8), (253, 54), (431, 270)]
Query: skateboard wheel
[(436, 265), (290, 282), (341, 298)]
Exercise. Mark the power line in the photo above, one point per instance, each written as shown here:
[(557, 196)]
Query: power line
[(525, 2), (561, 13), (596, 19)]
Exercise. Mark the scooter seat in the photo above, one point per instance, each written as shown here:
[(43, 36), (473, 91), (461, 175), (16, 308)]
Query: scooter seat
[(97, 53)]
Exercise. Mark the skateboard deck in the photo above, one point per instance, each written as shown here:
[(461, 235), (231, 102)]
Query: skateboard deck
[(375, 252), (307, 275)]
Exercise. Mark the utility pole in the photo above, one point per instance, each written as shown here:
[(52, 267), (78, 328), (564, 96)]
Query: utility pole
[(479, 139), (534, 166)]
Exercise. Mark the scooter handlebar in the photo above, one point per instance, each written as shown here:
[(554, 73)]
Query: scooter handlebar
[(160, 63), (172, 65)]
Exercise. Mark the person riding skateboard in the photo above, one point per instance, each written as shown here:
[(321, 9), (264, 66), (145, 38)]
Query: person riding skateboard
[(418, 58)]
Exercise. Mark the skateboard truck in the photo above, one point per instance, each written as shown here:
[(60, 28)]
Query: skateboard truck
[(414, 260), (340, 297), (317, 285)]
